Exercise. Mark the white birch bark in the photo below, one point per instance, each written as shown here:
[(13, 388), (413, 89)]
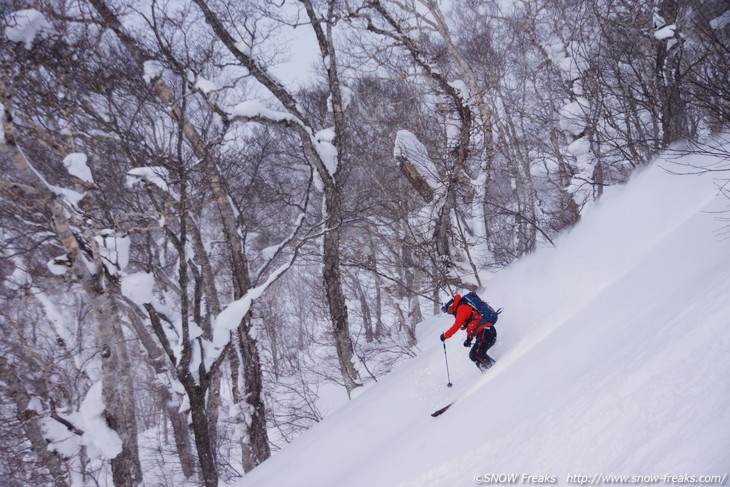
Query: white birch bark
[(117, 387)]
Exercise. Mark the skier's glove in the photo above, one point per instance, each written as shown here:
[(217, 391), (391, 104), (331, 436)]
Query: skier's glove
[(467, 342), (442, 337)]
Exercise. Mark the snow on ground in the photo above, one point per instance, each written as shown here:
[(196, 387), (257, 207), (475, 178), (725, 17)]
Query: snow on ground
[(612, 360)]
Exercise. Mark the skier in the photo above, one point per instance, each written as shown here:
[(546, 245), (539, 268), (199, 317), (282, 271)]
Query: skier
[(484, 335)]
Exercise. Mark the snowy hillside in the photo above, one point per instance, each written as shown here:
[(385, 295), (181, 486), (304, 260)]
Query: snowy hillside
[(612, 360)]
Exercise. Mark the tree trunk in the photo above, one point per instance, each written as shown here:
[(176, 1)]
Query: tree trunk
[(414, 306), (28, 418), (180, 432), (117, 387), (335, 295), (201, 430), (367, 316), (333, 209), (673, 107), (379, 327), (256, 447), (178, 420)]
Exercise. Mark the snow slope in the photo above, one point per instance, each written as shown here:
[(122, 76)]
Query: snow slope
[(612, 359)]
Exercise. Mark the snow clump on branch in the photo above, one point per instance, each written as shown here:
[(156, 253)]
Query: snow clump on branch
[(25, 25)]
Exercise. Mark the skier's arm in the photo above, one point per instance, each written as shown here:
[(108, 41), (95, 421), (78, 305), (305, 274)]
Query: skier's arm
[(462, 316)]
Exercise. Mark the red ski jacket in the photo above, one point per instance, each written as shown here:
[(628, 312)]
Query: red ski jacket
[(465, 315)]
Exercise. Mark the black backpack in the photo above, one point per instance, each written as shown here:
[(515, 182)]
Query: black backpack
[(489, 315)]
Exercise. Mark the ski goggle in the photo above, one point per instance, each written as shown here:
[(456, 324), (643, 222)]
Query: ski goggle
[(445, 307)]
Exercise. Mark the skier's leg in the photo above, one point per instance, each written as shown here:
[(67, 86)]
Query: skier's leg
[(489, 341), (479, 350), (485, 339)]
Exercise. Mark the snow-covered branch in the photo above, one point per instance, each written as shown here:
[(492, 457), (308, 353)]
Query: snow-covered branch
[(229, 319)]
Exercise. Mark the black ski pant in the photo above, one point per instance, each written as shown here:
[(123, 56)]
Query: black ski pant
[(483, 341)]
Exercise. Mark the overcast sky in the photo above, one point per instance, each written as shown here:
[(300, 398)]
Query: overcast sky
[(303, 52)]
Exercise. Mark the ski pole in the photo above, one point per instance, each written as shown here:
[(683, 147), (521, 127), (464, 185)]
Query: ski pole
[(447, 367)]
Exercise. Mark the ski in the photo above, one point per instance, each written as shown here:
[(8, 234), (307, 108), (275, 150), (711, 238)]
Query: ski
[(441, 411)]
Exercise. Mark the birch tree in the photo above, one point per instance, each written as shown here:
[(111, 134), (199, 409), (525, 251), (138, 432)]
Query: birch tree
[(321, 150), (86, 260), (375, 17)]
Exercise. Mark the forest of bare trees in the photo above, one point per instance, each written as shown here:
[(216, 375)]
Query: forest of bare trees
[(196, 251)]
